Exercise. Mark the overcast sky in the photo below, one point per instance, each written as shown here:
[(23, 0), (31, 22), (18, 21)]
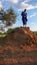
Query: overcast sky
[(19, 6)]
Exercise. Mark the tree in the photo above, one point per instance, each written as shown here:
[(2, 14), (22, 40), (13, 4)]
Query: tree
[(9, 17)]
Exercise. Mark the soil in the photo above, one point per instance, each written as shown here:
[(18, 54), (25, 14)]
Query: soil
[(19, 48)]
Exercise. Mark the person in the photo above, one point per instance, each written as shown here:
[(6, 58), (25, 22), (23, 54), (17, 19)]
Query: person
[(24, 17)]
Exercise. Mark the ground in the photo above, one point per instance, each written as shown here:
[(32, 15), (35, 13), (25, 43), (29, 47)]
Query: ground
[(19, 48)]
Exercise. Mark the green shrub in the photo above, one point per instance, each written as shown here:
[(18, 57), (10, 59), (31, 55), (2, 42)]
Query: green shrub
[(10, 30)]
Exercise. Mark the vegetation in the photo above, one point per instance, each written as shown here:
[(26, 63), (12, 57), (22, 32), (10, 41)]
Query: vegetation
[(2, 35), (8, 17), (10, 30), (35, 32)]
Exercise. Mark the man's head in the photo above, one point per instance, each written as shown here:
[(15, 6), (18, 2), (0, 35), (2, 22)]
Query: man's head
[(24, 10)]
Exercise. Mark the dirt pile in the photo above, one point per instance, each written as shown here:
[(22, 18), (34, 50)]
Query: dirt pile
[(19, 48), (21, 35)]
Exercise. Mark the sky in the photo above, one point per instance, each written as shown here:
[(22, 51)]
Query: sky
[(19, 6)]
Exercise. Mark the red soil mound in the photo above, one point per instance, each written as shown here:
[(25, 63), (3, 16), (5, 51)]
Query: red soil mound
[(19, 48), (21, 35)]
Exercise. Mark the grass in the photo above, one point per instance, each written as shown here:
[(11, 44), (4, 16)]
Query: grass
[(2, 35)]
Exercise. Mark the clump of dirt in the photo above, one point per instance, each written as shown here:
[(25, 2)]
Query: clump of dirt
[(22, 35)]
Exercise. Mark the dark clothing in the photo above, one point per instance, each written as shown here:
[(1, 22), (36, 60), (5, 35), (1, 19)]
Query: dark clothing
[(24, 17)]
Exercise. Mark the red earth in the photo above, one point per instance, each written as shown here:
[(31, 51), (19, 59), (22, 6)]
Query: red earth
[(19, 48)]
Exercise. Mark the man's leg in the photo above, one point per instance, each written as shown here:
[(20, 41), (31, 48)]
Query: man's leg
[(24, 24)]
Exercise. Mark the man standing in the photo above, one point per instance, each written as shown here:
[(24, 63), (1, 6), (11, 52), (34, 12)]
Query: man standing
[(24, 17)]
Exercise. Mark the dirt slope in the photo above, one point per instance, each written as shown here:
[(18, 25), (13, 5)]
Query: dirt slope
[(21, 35), (19, 48)]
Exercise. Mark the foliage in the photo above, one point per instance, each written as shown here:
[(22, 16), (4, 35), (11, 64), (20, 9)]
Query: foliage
[(2, 35), (10, 30), (9, 17)]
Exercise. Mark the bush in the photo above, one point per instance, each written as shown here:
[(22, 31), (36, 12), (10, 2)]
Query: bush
[(10, 30)]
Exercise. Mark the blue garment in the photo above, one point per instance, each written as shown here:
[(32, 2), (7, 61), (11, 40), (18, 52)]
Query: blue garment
[(24, 17)]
